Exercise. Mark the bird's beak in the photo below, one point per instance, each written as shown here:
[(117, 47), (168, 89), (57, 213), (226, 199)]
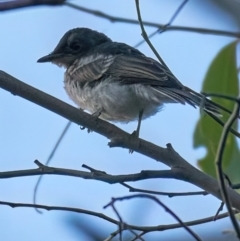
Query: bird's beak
[(50, 58), (60, 59)]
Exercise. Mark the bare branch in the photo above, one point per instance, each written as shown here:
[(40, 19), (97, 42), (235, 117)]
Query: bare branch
[(219, 210), (15, 4), (228, 97), (172, 194), (166, 25), (177, 12), (119, 138), (234, 132), (137, 236), (93, 175), (145, 36), (169, 194), (219, 161), (50, 157), (167, 209), (51, 208), (115, 19), (112, 235), (111, 220)]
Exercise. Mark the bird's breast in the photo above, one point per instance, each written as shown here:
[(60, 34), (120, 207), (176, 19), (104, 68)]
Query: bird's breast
[(118, 102)]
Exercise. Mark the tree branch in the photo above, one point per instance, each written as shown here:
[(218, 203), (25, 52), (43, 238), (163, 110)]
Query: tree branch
[(15, 4), (118, 137), (115, 19), (93, 175), (169, 194), (113, 221), (153, 198), (145, 36), (219, 161)]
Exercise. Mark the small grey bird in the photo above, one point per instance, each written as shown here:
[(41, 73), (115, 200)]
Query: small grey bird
[(117, 82)]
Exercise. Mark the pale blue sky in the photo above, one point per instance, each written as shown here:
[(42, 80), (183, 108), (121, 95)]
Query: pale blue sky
[(29, 132)]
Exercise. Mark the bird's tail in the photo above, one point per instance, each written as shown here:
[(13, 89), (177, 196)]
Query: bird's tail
[(186, 95), (213, 109), (197, 99)]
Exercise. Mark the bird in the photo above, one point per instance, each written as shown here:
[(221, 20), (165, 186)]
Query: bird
[(116, 82)]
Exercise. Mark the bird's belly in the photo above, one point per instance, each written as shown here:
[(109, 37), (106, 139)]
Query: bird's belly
[(117, 102)]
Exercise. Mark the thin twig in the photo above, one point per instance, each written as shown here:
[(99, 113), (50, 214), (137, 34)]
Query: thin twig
[(172, 194), (137, 236), (218, 211), (112, 235), (121, 225), (114, 19), (161, 204), (49, 159), (237, 134), (145, 36), (177, 12), (169, 194), (166, 26), (149, 36), (219, 161), (228, 97)]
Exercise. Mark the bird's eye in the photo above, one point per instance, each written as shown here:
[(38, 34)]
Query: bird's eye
[(75, 46)]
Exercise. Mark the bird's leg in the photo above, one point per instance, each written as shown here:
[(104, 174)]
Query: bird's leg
[(137, 131), (96, 114), (82, 127), (139, 122), (135, 134)]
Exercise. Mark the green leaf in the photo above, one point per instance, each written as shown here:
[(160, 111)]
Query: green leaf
[(221, 78)]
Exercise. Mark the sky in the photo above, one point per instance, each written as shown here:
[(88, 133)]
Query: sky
[(29, 132)]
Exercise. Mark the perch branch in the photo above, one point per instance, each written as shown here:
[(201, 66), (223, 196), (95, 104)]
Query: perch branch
[(118, 137)]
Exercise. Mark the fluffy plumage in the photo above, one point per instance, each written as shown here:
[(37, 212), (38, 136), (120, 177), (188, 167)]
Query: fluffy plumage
[(116, 80)]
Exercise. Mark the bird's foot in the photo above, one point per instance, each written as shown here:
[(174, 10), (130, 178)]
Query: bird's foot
[(134, 139), (95, 115)]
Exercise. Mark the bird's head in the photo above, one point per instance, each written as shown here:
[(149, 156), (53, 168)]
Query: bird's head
[(74, 43)]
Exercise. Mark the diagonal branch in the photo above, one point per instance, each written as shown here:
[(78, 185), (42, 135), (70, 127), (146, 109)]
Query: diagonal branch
[(118, 137)]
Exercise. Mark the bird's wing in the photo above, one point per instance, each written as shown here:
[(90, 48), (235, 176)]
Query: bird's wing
[(90, 68), (124, 64), (126, 68), (137, 67)]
